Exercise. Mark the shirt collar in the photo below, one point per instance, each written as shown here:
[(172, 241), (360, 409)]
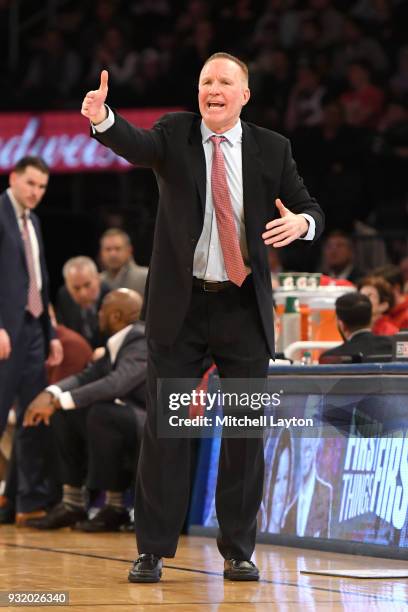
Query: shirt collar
[(18, 209), (115, 342), (232, 135), (364, 330)]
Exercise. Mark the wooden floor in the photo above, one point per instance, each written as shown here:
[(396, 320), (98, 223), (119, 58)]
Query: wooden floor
[(93, 568)]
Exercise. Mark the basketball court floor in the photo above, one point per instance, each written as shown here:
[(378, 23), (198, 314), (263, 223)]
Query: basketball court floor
[(93, 568)]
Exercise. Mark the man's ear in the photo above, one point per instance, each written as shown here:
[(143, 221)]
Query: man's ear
[(246, 95), (342, 329), (12, 178)]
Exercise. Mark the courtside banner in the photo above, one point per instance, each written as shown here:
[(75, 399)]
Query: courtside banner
[(62, 139), (346, 478)]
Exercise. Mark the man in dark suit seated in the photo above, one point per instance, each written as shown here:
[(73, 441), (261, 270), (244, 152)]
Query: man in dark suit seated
[(354, 311), (97, 418), (79, 300)]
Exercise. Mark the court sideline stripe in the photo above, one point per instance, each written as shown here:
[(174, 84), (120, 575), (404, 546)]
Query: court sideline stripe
[(208, 573)]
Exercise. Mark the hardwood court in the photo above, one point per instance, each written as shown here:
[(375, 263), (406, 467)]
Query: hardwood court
[(93, 568)]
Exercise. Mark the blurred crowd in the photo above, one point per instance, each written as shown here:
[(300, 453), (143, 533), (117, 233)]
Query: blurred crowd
[(328, 73)]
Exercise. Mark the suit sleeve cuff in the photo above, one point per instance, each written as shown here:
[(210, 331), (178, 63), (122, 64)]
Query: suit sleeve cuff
[(312, 227), (64, 397), (105, 124)]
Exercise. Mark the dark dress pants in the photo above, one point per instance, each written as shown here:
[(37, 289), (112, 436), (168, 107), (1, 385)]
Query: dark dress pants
[(228, 324), (98, 445), (22, 377)]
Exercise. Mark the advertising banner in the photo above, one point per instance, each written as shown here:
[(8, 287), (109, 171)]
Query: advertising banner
[(63, 140), (347, 479)]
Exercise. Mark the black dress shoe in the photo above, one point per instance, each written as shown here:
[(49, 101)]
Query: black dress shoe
[(128, 527), (146, 568), (107, 518), (237, 569), (59, 516)]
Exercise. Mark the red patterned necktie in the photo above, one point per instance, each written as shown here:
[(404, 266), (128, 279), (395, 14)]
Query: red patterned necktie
[(227, 231), (34, 302)]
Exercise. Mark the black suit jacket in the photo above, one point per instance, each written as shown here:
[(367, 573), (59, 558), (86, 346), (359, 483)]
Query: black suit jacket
[(365, 343), (69, 314), (104, 382), (173, 148), (14, 278)]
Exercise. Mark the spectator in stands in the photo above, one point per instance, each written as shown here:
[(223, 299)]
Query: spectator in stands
[(363, 101), (381, 296), (404, 273), (399, 312), (354, 312), (338, 257), (52, 73), (119, 267), (330, 20), (356, 46), (78, 301), (113, 52), (305, 100), (97, 417), (399, 81)]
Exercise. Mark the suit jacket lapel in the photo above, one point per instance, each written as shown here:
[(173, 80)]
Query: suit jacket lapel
[(252, 167), (14, 227), (198, 161)]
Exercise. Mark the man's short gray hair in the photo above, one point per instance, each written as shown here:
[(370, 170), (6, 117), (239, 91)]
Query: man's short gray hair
[(81, 262)]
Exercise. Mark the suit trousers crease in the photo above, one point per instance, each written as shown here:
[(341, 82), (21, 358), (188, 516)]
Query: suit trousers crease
[(227, 323)]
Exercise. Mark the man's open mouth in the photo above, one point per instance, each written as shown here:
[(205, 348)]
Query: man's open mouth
[(215, 105)]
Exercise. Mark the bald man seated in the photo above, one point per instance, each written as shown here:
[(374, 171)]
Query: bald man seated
[(97, 417)]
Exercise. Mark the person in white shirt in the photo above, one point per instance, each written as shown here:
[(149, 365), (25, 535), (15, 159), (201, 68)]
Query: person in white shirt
[(97, 417)]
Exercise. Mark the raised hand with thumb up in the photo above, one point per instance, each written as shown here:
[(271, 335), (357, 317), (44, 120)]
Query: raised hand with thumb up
[(93, 105), (286, 229)]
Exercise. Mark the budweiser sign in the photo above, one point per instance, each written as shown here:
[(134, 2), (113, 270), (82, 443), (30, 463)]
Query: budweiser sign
[(62, 140)]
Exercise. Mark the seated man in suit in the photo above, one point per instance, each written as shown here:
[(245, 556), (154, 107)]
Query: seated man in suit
[(78, 301), (119, 267), (98, 418), (354, 312)]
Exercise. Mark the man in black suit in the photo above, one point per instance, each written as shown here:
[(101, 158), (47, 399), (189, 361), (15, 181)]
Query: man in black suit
[(220, 183), (26, 334), (79, 299), (354, 311), (97, 418)]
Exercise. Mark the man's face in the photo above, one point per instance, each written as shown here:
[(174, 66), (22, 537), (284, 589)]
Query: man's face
[(372, 293), (28, 187), (222, 92), (83, 286), (308, 452), (115, 252), (338, 252)]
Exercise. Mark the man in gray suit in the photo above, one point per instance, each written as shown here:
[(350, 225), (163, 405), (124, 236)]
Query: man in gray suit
[(119, 267), (98, 417)]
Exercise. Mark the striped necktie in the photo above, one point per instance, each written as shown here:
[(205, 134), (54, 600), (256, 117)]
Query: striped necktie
[(34, 301), (227, 231)]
